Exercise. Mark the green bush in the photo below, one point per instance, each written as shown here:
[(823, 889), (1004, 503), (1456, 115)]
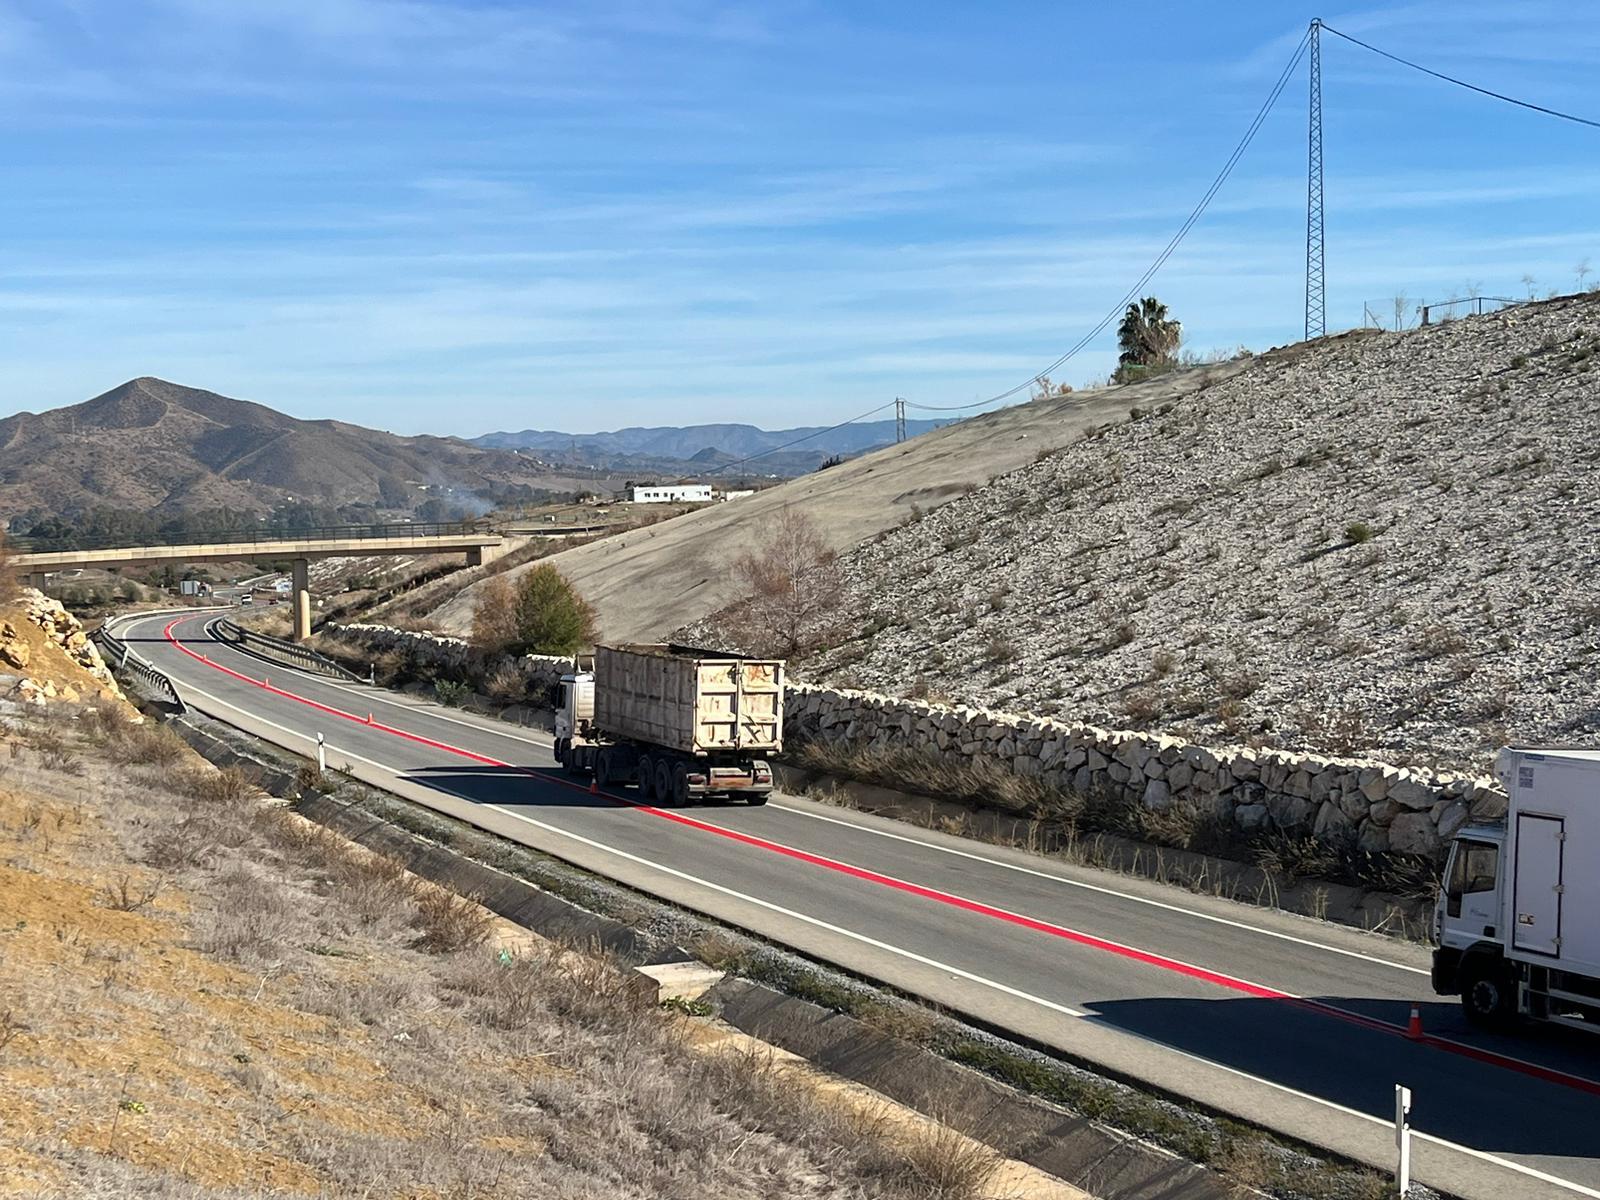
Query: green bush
[(1358, 533), (550, 617)]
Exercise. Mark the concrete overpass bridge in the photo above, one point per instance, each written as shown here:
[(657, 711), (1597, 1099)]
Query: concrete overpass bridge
[(480, 545)]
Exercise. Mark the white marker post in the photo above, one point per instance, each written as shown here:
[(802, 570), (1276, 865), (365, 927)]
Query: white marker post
[(1402, 1138), (322, 756)]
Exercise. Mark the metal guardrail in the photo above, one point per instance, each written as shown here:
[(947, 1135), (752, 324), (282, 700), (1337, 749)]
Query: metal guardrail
[(131, 662), (229, 537), (291, 654)]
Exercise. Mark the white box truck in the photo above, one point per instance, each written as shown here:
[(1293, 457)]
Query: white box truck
[(680, 724), (1515, 924)]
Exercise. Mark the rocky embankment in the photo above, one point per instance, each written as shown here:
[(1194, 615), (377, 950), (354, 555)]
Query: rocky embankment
[(46, 655), (1377, 544)]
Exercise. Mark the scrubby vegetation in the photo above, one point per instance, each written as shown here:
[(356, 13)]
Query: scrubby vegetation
[(207, 996)]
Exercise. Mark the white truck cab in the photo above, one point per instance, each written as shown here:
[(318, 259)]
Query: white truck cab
[(575, 713), (1517, 923)]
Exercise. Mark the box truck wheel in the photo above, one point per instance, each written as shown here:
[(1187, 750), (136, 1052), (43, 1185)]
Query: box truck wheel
[(647, 778), (664, 793), (1488, 993), (602, 768), (680, 785)]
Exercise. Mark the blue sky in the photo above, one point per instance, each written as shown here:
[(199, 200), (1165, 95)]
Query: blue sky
[(455, 216)]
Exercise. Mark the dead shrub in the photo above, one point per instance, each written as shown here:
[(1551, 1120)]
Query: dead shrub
[(253, 921), (450, 923), (505, 685), (225, 785), (10, 1028), (941, 1163), (148, 744), (126, 896), (372, 886)]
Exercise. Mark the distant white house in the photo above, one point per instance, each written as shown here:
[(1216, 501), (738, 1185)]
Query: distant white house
[(691, 493)]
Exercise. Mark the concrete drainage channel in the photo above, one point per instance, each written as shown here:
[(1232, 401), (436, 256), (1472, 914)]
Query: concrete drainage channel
[(564, 904)]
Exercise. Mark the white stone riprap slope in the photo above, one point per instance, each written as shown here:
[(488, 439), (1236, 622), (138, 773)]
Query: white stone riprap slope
[(1382, 545)]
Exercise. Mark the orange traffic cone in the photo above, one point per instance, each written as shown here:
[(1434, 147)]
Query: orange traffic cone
[(594, 786), (1414, 1026)]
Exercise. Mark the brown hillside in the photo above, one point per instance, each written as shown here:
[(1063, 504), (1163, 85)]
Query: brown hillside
[(153, 445)]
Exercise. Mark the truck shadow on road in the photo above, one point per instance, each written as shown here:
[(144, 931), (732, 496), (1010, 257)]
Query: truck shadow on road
[(1344, 1059), (537, 787)]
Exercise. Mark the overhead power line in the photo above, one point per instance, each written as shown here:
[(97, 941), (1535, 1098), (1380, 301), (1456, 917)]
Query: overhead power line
[(1166, 252), (816, 433), (1471, 87)]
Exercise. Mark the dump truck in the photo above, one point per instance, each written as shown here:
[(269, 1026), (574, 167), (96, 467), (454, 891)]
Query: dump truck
[(680, 724), (1515, 926)]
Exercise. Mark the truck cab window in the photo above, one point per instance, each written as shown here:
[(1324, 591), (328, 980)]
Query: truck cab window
[(1472, 870)]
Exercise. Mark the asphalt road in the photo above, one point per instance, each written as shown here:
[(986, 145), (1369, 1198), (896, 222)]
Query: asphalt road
[(1296, 1025)]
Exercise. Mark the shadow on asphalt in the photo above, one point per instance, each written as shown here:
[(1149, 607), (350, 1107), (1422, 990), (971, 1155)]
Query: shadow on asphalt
[(1479, 1104), (534, 787)]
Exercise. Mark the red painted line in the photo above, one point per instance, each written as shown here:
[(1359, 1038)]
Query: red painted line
[(1176, 966)]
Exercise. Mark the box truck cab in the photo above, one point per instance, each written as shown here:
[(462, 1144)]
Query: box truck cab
[(1517, 924)]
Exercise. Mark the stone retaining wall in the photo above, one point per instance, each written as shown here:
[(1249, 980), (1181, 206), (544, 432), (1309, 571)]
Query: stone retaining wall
[(1362, 803)]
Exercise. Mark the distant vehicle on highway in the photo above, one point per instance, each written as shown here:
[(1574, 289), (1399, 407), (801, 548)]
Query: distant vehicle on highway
[(1517, 923), (679, 724)]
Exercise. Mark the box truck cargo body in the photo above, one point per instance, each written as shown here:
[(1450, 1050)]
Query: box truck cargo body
[(680, 724), (1518, 918)]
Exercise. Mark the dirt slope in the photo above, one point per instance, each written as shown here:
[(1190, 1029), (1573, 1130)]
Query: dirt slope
[(646, 583), (1378, 543)]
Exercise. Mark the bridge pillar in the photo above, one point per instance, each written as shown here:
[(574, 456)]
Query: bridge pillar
[(302, 599), (478, 555)]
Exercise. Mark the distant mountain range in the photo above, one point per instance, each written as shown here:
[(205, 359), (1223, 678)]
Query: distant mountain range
[(153, 446), (708, 446)]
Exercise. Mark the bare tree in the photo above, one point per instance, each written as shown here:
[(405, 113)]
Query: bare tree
[(795, 588), (1582, 272), (1528, 281), (1400, 301)]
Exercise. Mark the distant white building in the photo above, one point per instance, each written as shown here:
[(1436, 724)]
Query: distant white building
[(690, 493), (739, 494)]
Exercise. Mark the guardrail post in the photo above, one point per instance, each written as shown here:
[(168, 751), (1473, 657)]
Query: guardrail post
[(322, 755)]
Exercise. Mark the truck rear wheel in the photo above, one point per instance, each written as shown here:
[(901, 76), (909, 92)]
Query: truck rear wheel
[(602, 768), (1488, 993), (664, 792), (756, 799), (647, 778)]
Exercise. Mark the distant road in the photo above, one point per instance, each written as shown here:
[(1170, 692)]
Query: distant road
[(1288, 1023)]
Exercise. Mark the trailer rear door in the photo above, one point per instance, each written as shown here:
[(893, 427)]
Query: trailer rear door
[(1538, 889)]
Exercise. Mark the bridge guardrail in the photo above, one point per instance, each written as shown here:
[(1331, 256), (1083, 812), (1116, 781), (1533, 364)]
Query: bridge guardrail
[(228, 537), (291, 654), (135, 664)]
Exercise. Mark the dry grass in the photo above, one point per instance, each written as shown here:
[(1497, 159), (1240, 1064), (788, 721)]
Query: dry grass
[(282, 1013)]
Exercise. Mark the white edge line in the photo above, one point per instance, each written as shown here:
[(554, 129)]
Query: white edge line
[(683, 875), (981, 858), (967, 854), (1093, 887), (1484, 1155), (1481, 1155)]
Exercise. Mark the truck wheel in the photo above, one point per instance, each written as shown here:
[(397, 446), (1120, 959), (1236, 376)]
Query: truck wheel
[(602, 768), (1488, 994), (647, 778), (756, 799), (664, 793), (680, 785)]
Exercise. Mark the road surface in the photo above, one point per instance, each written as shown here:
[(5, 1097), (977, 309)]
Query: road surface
[(1295, 1025)]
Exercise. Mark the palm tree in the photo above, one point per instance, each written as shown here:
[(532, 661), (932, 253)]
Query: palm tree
[(1147, 337)]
